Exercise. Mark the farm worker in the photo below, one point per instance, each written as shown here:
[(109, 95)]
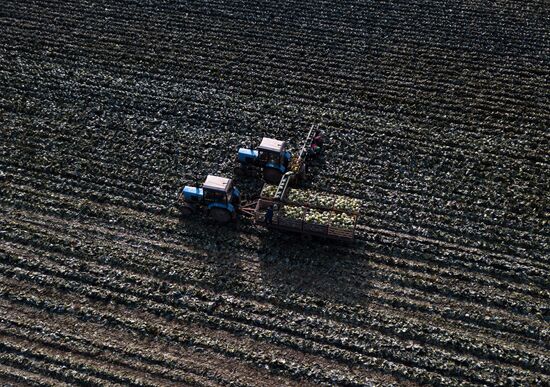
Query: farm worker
[(269, 215), (315, 149), (317, 143), (319, 138)]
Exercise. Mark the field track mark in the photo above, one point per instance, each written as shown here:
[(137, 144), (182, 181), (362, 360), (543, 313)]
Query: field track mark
[(23, 377), (203, 365), (448, 245), (289, 332), (238, 347)]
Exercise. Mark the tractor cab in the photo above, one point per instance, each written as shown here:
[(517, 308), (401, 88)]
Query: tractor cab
[(218, 189), (217, 195), (271, 156), (272, 151), (274, 159)]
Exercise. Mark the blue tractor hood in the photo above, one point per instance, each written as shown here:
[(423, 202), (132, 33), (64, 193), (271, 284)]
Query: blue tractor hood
[(190, 193), (247, 154)]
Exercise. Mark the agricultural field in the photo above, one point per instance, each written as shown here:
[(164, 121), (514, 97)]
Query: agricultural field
[(437, 114)]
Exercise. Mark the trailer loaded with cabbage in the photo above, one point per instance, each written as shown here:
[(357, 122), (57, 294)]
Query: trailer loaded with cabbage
[(308, 212)]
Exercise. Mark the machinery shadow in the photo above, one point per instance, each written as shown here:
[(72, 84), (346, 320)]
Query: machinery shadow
[(325, 270), (221, 258), (284, 264)]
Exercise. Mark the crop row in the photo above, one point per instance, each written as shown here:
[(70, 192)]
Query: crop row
[(477, 232), (124, 358), (206, 45), (166, 312), (525, 268), (421, 268), (170, 108), (165, 324)]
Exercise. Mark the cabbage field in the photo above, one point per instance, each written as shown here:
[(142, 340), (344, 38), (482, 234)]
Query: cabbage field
[(437, 121)]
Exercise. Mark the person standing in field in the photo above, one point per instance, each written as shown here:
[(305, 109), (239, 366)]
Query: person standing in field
[(269, 215), (317, 143)]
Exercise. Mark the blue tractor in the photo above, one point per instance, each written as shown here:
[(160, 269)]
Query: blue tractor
[(271, 157), (217, 197)]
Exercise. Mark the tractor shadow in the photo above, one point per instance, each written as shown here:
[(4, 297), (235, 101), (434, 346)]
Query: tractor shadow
[(326, 270), (220, 255), (283, 264)]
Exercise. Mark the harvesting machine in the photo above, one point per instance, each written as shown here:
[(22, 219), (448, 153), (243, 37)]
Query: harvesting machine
[(274, 160), (279, 206), (217, 197)]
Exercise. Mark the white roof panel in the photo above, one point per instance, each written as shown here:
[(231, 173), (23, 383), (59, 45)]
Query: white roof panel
[(217, 183), (271, 144)]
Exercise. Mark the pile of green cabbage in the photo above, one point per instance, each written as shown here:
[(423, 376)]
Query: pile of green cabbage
[(315, 216), (342, 220), (269, 191), (318, 217), (323, 200), (345, 203), (292, 212)]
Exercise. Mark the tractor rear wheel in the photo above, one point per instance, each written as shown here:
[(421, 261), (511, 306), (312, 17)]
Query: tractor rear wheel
[(272, 176), (220, 215)]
